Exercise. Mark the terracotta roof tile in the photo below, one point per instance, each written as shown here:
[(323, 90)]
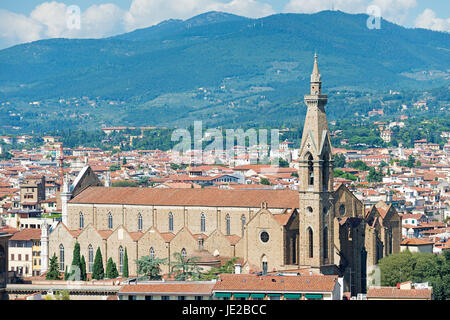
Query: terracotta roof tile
[(104, 233), (167, 236), (394, 293), (176, 287), (251, 282), (233, 239), (189, 197), (27, 234), (415, 242)]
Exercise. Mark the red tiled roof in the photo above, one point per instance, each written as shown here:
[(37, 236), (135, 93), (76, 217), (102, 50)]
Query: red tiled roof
[(283, 219), (27, 234), (167, 236), (394, 293), (415, 242), (189, 197), (233, 239), (252, 282), (104, 233), (181, 287)]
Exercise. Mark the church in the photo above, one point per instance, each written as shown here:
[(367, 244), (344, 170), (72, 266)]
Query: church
[(322, 229)]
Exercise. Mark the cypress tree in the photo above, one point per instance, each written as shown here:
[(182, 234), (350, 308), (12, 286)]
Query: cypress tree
[(53, 272), (109, 266), (125, 265), (111, 269), (114, 272), (83, 269), (66, 273), (98, 272), (76, 262)]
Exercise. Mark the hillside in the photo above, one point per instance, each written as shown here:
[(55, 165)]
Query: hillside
[(155, 73)]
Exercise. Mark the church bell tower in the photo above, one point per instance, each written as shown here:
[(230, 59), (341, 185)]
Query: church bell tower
[(315, 180)]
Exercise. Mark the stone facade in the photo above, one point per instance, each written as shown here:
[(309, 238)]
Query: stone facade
[(318, 227)]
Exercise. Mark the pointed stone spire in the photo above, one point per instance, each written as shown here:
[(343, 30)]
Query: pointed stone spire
[(315, 76)]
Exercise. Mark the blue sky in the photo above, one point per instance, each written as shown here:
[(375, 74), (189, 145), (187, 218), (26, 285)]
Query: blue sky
[(30, 20)]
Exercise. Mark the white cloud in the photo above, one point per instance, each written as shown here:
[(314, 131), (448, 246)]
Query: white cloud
[(428, 20), (392, 10), (395, 10), (25, 29), (49, 19), (52, 16), (144, 13), (102, 20), (308, 6)]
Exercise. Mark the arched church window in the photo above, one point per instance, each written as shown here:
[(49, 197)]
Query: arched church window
[(310, 170), (325, 165), (390, 241), (110, 221), (264, 264), (243, 224), (227, 218), (61, 257), (152, 253), (81, 220), (202, 223), (310, 242), (120, 259), (90, 258), (325, 243), (170, 221), (140, 222), (184, 253), (342, 209)]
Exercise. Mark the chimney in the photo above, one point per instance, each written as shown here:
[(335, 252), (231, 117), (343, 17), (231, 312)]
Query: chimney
[(237, 268)]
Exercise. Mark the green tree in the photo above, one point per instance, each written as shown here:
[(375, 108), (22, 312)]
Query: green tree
[(98, 271), (418, 267), (75, 268), (66, 273), (150, 268), (185, 268), (213, 273), (339, 160), (359, 165), (411, 161), (53, 272), (125, 265), (283, 163), (265, 181), (109, 266), (375, 176), (114, 272), (83, 269)]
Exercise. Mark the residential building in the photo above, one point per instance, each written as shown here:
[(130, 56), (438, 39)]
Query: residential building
[(21, 251)]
